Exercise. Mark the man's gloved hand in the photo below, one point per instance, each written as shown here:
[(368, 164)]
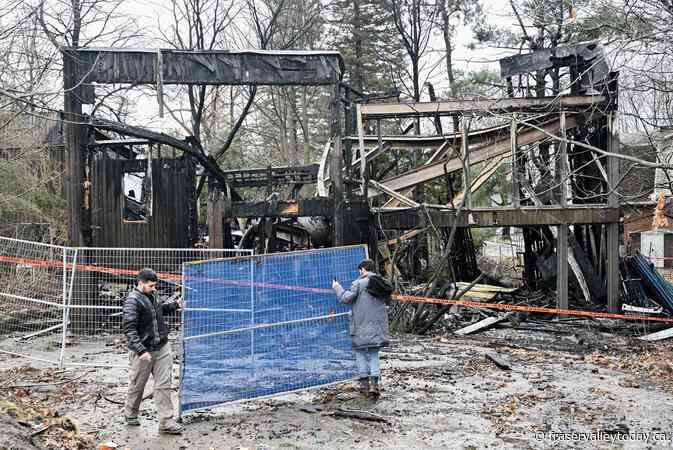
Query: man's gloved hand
[(335, 283)]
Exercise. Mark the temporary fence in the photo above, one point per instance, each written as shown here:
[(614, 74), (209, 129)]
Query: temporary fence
[(52, 295), (264, 325)]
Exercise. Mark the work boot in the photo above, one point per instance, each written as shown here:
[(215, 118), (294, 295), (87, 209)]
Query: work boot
[(132, 421), (374, 391), (169, 426), (363, 386)]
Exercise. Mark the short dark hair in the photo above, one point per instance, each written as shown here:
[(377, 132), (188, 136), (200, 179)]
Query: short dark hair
[(147, 275), (368, 265)]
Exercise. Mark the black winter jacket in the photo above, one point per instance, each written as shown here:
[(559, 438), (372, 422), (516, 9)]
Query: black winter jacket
[(143, 322)]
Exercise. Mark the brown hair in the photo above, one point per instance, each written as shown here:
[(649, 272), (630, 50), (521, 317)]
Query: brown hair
[(368, 265)]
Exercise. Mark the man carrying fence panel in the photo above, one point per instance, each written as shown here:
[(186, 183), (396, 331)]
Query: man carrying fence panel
[(368, 296), (149, 351)]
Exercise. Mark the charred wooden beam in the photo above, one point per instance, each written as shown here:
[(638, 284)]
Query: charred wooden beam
[(399, 197), (483, 106), (409, 218), (612, 237), (75, 136), (118, 142), (300, 208), (210, 67), (207, 162), (583, 54), (477, 136), (430, 172), (274, 175)]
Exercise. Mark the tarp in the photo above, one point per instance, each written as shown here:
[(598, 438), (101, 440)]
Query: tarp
[(265, 325)]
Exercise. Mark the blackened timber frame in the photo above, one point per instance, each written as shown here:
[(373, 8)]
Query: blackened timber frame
[(173, 222), (261, 177), (571, 111), (209, 67), (556, 215), (84, 67), (483, 106), (409, 218)]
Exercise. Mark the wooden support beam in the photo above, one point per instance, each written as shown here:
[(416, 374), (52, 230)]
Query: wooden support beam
[(317, 206), (562, 258), (395, 195), (409, 218), (336, 171), (612, 238), (503, 146), (321, 187), (405, 237), (209, 67), (572, 261), (79, 231), (371, 155), (487, 172), (481, 106), (261, 177), (562, 237), (118, 142), (465, 156), (408, 142), (562, 162), (516, 198), (361, 147), (439, 153), (216, 200)]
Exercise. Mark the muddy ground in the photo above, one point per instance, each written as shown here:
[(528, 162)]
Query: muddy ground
[(439, 392)]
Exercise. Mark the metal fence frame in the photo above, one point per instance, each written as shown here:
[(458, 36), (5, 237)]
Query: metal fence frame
[(254, 260), (71, 269)]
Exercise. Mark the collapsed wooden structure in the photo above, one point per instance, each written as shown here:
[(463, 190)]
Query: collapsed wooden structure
[(556, 150), (84, 68)]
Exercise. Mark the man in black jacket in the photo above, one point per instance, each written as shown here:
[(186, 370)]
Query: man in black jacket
[(149, 351)]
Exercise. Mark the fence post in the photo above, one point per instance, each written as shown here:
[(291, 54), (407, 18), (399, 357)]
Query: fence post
[(182, 338), (252, 316), (66, 302), (65, 295)]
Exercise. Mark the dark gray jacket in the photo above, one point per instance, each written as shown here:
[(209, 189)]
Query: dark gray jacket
[(143, 322), (369, 319)]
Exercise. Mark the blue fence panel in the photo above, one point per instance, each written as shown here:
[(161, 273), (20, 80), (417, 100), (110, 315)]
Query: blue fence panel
[(264, 325)]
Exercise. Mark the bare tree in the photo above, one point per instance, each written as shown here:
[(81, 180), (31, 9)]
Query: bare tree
[(81, 23), (198, 25), (264, 21), (414, 21), (450, 11)]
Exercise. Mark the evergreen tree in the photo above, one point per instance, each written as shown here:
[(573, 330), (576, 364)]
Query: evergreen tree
[(364, 32)]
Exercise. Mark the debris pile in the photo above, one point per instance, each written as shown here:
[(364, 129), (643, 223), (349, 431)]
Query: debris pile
[(31, 411)]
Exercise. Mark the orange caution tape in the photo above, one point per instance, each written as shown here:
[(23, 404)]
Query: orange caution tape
[(523, 308), (399, 297), (56, 264)]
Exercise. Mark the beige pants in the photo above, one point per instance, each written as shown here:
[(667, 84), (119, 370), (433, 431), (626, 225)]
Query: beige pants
[(161, 368)]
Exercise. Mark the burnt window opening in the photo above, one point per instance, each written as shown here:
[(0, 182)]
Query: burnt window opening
[(137, 188)]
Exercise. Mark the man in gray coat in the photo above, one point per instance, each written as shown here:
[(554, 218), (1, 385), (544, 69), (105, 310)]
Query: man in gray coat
[(368, 327)]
